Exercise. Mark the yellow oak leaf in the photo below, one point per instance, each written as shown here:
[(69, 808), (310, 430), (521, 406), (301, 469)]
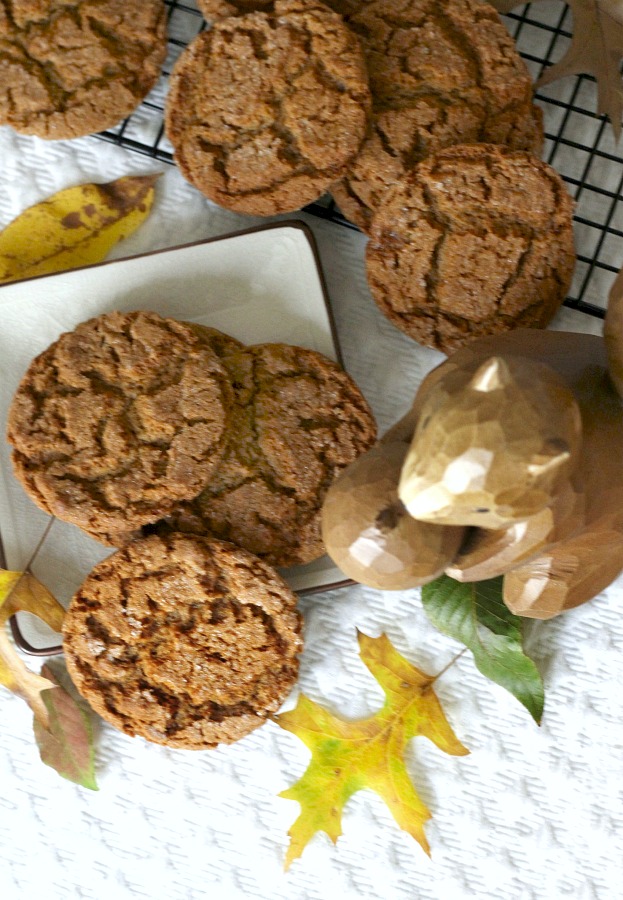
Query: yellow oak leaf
[(367, 753), (74, 227), (22, 591)]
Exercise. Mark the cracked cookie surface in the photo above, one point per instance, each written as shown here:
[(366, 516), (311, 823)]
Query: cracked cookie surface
[(186, 641), (475, 240), (221, 343), (298, 420), (441, 73), (75, 67), (266, 110), (118, 420), (218, 9)]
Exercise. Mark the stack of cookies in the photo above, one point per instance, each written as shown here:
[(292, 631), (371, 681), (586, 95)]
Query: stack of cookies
[(470, 232), (442, 72), (439, 73), (278, 102), (206, 462), (136, 422)]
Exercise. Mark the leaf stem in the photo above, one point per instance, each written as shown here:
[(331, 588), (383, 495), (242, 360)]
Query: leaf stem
[(35, 552), (33, 556), (449, 665)]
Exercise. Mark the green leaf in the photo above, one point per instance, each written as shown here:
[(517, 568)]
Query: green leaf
[(475, 615), (67, 744)]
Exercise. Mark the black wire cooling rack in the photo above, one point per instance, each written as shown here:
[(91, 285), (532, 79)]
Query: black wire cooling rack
[(579, 143)]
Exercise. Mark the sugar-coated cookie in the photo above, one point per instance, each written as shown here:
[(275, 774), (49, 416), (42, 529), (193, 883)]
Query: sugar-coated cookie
[(186, 641), (265, 111), (76, 67), (298, 420), (475, 240), (118, 420)]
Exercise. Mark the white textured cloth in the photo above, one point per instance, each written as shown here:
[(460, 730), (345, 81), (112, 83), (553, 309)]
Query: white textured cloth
[(532, 812)]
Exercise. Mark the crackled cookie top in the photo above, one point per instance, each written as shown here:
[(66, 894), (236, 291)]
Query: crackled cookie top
[(474, 241), (118, 420), (441, 73), (218, 9), (298, 420), (266, 110), (221, 343), (71, 68), (183, 640)]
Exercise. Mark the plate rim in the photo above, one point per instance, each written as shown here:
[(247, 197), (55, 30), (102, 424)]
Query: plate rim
[(24, 645)]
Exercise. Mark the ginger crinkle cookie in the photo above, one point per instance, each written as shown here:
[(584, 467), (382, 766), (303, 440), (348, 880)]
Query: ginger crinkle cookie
[(185, 641), (265, 111), (475, 240), (298, 419), (442, 72), (119, 420), (76, 67)]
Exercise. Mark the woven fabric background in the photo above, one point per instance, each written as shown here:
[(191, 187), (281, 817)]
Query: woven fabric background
[(532, 813)]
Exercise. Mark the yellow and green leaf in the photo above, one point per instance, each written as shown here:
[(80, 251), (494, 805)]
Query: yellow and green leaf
[(15, 676), (75, 227), (367, 753), (22, 591)]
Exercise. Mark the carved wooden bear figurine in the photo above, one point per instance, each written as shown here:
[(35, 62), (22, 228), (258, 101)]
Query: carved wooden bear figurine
[(510, 462)]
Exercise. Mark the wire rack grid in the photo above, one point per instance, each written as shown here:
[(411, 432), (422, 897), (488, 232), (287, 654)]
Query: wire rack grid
[(578, 143)]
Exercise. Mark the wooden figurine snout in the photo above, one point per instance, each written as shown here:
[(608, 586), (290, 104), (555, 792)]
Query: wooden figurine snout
[(510, 462)]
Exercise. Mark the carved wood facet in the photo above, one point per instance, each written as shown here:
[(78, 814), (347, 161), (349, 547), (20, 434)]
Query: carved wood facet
[(509, 463)]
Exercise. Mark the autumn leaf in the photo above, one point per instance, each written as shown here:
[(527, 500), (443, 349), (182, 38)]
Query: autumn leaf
[(596, 49), (67, 743), (62, 723), (15, 676), (368, 753), (75, 227), (22, 591), (476, 615)]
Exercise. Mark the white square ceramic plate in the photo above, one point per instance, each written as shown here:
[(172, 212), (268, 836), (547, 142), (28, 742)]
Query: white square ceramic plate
[(261, 285)]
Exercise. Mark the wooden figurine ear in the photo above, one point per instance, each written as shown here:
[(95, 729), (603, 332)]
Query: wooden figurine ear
[(494, 443), (569, 574), (492, 375)]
